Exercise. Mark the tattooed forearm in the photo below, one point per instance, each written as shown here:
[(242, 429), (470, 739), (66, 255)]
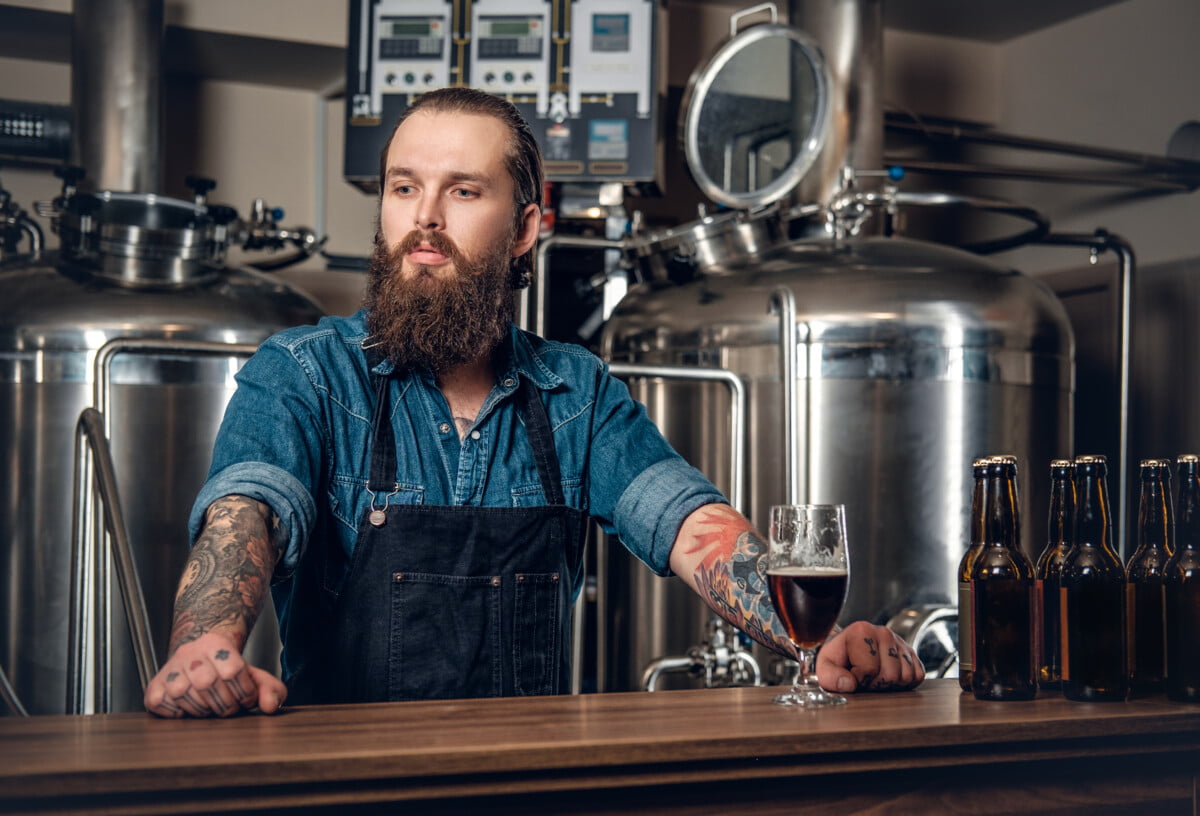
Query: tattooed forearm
[(732, 576), (227, 575)]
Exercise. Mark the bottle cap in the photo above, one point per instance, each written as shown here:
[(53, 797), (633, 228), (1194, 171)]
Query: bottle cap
[(1061, 463), (1092, 459), (1189, 458)]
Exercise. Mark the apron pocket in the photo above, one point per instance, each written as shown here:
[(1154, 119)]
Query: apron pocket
[(537, 625), (445, 637)]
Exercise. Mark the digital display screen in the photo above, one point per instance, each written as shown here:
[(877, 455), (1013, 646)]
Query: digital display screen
[(419, 28), (610, 33), (510, 28)]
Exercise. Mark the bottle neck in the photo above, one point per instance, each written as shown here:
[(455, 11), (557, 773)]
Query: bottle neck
[(1092, 517), (978, 504), (1001, 512), (1154, 516), (1062, 511), (1187, 520)]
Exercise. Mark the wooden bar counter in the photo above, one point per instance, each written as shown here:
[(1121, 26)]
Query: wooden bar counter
[(718, 751)]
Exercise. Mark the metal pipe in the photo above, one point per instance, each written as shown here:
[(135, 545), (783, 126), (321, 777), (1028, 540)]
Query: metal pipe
[(1034, 174), (665, 664), (1159, 164), (92, 574), (9, 695), (34, 231), (116, 93), (81, 605), (850, 33), (748, 659), (540, 278), (783, 303), (90, 429), (1101, 241), (737, 412)]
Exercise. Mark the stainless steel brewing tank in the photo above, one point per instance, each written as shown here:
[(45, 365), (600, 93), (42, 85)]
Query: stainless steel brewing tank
[(912, 359), (165, 410)]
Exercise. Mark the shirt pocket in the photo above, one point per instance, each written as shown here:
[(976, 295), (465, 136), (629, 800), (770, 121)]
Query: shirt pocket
[(530, 494)]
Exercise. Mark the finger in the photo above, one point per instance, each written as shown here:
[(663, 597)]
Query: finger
[(891, 667), (271, 690), (178, 691), (243, 688), (207, 690), (156, 702), (832, 661)]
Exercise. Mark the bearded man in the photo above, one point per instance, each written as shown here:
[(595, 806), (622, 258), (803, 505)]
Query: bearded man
[(413, 482)]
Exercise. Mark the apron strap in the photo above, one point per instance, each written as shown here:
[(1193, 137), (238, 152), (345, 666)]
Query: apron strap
[(383, 441), (532, 412), (541, 439)]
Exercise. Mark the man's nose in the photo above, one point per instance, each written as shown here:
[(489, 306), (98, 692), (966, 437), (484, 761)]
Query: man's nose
[(429, 213)]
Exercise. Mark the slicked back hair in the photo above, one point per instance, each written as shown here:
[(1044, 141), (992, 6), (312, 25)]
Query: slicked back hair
[(522, 156)]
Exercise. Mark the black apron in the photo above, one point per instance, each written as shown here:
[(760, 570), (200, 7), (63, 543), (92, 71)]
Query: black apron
[(448, 601)]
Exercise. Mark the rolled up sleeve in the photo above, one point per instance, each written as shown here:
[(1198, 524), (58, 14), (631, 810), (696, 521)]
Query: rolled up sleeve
[(270, 447), (652, 509), (288, 499)]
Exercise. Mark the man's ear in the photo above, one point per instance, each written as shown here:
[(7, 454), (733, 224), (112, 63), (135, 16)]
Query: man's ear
[(527, 233)]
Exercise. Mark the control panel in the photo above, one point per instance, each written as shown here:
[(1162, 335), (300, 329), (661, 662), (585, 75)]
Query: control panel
[(584, 73)]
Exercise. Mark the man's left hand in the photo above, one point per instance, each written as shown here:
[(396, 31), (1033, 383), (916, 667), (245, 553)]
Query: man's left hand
[(867, 657)]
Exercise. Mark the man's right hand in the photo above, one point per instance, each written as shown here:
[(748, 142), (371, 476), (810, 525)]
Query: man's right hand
[(207, 677)]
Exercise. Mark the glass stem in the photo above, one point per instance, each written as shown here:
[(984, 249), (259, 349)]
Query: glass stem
[(806, 672)]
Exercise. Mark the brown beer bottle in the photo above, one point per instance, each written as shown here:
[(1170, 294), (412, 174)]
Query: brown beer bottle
[(1060, 534), (1181, 585), (966, 632), (1005, 661), (1093, 596), (1144, 591)]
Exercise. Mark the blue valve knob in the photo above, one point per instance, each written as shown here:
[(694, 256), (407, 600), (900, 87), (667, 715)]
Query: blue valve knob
[(277, 213), (895, 172)]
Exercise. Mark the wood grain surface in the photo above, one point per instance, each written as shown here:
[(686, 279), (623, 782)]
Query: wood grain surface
[(695, 752)]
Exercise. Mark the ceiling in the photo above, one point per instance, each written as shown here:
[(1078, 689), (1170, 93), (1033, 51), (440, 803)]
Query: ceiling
[(986, 20)]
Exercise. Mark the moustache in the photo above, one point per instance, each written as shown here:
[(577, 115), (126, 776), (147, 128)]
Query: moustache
[(437, 240)]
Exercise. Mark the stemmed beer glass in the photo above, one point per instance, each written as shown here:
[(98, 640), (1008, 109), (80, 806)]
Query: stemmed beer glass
[(808, 572)]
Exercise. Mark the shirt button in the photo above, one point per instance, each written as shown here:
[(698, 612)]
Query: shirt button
[(509, 382), (474, 434), (444, 427)]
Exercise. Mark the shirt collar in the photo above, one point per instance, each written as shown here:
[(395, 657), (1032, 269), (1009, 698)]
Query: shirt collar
[(520, 357)]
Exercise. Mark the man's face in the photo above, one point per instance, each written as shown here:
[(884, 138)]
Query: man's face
[(439, 292), (445, 175)]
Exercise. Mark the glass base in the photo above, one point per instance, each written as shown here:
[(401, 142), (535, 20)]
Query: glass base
[(804, 697)]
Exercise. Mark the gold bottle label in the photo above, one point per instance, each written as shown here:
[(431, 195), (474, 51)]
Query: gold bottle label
[(966, 628)]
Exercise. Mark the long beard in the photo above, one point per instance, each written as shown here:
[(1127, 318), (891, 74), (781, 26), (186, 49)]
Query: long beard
[(423, 320)]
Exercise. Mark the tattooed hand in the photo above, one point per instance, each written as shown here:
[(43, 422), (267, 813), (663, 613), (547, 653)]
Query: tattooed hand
[(865, 657), (207, 677), (223, 589)]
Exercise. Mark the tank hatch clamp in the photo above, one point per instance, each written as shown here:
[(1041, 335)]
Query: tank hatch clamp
[(851, 206), (260, 231), (723, 660)]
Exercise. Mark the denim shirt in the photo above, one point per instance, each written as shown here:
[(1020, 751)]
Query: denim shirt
[(296, 436)]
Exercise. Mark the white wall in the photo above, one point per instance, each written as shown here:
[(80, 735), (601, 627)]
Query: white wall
[(1123, 77)]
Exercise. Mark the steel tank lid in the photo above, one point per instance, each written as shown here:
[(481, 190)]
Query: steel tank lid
[(53, 305), (861, 292)]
